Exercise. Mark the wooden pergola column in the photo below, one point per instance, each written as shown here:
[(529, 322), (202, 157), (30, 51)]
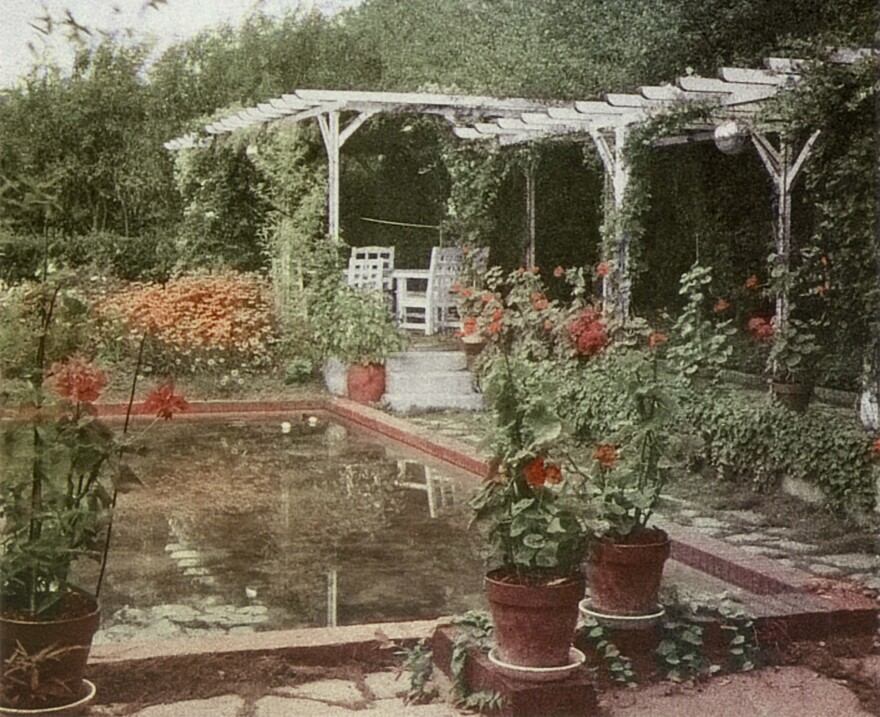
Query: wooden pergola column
[(617, 285), (333, 141), (783, 173), (530, 172)]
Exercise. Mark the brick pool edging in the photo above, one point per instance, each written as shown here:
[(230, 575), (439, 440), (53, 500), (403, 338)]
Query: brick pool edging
[(783, 607)]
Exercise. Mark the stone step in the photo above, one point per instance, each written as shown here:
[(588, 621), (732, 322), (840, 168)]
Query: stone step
[(429, 383), (412, 403), (424, 361)]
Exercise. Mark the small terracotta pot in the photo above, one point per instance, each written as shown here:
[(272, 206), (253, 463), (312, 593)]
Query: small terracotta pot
[(366, 382), (66, 642), (533, 622), (625, 575)]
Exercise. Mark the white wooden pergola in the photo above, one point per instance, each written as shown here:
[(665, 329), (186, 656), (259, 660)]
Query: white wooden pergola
[(733, 97)]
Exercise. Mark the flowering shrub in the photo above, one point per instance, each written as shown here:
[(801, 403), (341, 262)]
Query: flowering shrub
[(206, 319), (587, 332)]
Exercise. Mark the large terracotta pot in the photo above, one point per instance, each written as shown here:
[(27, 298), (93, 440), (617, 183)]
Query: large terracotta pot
[(533, 622), (56, 678), (366, 382), (625, 575)]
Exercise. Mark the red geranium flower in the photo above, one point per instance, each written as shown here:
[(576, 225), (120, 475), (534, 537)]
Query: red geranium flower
[(656, 338), (468, 326), (752, 283), (487, 297), (606, 454), (467, 292), (77, 380), (603, 269), (760, 328), (877, 447), (548, 324), (494, 327), (721, 305), (537, 473), (588, 332), (164, 403)]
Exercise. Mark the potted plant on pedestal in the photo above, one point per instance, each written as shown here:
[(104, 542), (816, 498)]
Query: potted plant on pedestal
[(357, 329), (533, 520), (61, 469), (628, 474)]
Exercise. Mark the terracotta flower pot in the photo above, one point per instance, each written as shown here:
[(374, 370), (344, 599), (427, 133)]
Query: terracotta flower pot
[(58, 650), (366, 382), (625, 575), (534, 622)]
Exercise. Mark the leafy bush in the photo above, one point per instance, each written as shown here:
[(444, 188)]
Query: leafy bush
[(21, 326), (761, 442)]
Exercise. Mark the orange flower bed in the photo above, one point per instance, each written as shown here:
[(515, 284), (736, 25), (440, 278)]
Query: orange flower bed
[(225, 311)]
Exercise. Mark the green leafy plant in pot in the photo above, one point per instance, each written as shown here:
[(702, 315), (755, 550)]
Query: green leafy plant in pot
[(532, 516), (630, 469), (62, 468), (357, 328), (795, 348)]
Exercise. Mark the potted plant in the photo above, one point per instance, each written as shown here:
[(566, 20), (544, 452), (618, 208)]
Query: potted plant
[(792, 362), (61, 470), (533, 520), (531, 512), (627, 477), (357, 329)]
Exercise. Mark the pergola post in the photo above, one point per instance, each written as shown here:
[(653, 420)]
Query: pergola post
[(783, 173), (616, 286), (529, 172), (333, 141)]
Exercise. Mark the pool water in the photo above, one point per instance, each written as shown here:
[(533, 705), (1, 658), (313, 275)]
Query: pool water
[(285, 522)]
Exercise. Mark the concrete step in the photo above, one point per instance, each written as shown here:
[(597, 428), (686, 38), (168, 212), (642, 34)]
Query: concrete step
[(426, 361), (412, 403), (429, 383)]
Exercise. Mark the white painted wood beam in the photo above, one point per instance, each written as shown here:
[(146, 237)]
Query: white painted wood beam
[(668, 93), (630, 100), (756, 77)]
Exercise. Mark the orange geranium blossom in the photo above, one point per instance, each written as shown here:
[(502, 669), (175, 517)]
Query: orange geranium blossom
[(606, 454), (77, 379), (538, 473)]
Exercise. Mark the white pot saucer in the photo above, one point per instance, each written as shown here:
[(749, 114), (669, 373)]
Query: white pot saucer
[(539, 674), (622, 622)]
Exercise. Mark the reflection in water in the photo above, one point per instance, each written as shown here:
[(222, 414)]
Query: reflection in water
[(242, 526)]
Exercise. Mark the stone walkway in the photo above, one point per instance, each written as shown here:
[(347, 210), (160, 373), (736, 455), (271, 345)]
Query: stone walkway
[(379, 694), (773, 692)]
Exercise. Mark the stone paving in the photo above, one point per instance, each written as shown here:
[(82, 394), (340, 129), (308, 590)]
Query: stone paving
[(773, 692), (377, 694)]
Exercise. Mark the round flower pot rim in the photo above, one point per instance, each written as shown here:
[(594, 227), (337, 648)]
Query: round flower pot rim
[(91, 690)]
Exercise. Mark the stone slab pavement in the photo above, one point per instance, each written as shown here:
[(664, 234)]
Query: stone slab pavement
[(772, 692)]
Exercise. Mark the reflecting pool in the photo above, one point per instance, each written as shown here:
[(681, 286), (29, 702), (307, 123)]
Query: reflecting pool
[(248, 524)]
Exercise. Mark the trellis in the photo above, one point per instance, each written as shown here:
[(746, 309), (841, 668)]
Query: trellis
[(734, 97)]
